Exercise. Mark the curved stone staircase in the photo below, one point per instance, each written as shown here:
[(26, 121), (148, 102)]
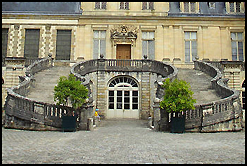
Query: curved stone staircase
[(45, 81), (200, 84)]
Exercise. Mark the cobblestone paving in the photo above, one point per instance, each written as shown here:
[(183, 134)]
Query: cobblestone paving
[(121, 141)]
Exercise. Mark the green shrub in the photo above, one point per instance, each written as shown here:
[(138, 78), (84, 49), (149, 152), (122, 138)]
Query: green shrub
[(177, 97), (70, 90)]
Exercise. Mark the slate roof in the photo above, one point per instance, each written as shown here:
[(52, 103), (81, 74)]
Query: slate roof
[(43, 8)]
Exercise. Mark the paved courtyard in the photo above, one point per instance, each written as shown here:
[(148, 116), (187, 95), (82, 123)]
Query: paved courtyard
[(121, 141)]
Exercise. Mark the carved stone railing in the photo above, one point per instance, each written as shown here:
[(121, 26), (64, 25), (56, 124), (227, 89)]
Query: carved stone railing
[(82, 69), (107, 65), (221, 115), (24, 113)]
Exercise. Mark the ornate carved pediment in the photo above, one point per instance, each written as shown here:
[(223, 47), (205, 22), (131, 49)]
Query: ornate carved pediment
[(124, 34)]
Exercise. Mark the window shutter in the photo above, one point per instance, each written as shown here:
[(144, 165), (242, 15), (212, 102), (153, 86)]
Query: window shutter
[(31, 48), (63, 45)]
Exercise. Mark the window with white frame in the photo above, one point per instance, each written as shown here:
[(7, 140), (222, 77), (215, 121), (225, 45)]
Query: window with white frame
[(237, 46), (99, 43), (100, 5), (189, 7), (234, 7), (190, 40), (124, 5), (147, 5), (148, 44)]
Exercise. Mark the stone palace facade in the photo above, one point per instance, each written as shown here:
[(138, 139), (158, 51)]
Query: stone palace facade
[(173, 32)]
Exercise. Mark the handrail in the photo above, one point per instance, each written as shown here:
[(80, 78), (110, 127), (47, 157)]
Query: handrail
[(214, 112), (207, 115), (21, 112), (84, 67)]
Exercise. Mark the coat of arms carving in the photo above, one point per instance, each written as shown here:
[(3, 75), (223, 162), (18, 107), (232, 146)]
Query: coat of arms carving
[(124, 33)]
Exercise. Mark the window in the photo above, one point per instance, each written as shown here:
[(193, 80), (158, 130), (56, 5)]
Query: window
[(124, 5), (63, 45), (237, 46), (147, 5), (211, 5), (189, 7), (4, 44), (31, 48), (237, 7), (123, 93), (190, 39), (231, 6), (148, 45), (100, 5), (99, 43), (234, 7)]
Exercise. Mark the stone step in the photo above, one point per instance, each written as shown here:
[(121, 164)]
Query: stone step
[(45, 81), (200, 84)]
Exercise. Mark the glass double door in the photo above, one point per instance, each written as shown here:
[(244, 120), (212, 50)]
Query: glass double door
[(123, 103)]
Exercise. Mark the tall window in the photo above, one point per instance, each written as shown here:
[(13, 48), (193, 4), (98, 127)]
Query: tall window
[(124, 5), (100, 5), (4, 44), (63, 45), (190, 39), (99, 43), (148, 45), (237, 46), (31, 48), (147, 5)]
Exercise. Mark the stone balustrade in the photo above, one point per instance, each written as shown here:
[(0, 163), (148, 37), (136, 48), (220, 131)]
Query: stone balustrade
[(24, 113), (222, 115), (108, 65), (96, 73)]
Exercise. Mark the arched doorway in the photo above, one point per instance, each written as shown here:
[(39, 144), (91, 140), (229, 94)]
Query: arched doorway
[(123, 98)]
